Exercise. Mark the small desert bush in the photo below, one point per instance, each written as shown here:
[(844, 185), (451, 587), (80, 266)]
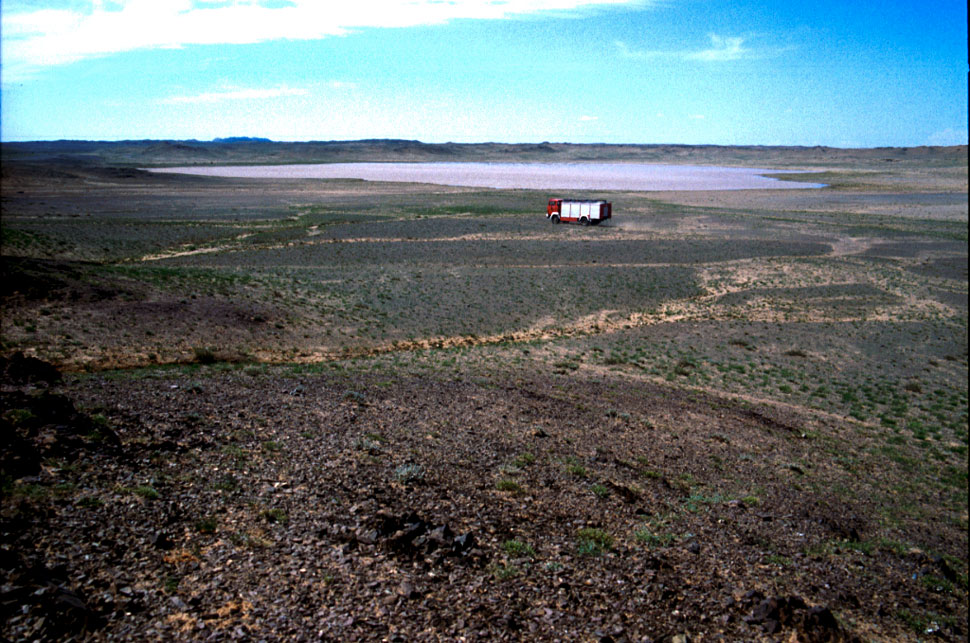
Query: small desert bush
[(592, 541)]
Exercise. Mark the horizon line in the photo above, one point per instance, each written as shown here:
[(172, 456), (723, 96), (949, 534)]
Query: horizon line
[(231, 140)]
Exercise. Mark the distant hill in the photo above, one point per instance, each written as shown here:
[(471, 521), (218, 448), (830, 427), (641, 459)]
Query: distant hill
[(244, 150), (242, 139)]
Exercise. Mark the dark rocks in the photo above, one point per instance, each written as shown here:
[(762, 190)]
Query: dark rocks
[(162, 541), (814, 624), (21, 369), (412, 536), (43, 594), (52, 426)]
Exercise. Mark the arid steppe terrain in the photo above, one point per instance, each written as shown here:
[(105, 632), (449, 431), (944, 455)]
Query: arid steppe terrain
[(298, 408)]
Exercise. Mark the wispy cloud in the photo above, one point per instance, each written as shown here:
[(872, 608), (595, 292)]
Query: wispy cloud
[(33, 38), (233, 94), (586, 117), (721, 49)]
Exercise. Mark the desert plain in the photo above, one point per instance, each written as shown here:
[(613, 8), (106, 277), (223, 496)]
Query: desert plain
[(241, 408)]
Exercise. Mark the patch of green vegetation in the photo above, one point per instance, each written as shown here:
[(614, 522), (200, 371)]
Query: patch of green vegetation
[(227, 483), (592, 541), (518, 549), (937, 584), (19, 417), (170, 584), (409, 473), (924, 622), (146, 491), (697, 501), (236, 452), (509, 485), (577, 470), (524, 460), (505, 571), (651, 538)]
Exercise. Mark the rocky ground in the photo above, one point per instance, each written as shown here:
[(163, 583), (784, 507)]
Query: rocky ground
[(342, 410), (237, 504)]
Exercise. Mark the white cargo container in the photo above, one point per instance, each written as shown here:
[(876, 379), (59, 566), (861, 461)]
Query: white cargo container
[(584, 212)]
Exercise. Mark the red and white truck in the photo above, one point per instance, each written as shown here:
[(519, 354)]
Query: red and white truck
[(584, 212)]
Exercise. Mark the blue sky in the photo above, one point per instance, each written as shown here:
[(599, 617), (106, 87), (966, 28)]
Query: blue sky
[(846, 74)]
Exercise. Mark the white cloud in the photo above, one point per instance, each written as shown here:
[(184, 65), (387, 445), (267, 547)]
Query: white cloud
[(696, 117), (722, 49), (948, 136), (585, 117), (239, 93), (33, 38)]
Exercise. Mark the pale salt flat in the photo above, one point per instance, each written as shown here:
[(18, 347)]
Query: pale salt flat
[(537, 176)]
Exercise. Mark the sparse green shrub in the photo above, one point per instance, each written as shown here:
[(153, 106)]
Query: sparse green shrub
[(18, 417), (237, 453), (577, 470), (518, 548), (592, 541), (145, 491), (227, 482), (650, 538), (505, 572), (355, 396), (409, 473), (367, 445), (506, 484), (524, 459)]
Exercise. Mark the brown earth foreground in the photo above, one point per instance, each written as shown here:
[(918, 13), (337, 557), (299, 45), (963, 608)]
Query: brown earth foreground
[(271, 505), (338, 410)]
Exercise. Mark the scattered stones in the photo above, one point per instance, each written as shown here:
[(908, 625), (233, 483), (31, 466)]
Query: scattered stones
[(359, 553)]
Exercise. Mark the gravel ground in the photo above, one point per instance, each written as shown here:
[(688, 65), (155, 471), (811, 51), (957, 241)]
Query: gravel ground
[(209, 504)]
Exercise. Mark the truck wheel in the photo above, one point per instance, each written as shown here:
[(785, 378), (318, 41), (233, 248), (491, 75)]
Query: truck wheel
[(555, 219), (584, 221)]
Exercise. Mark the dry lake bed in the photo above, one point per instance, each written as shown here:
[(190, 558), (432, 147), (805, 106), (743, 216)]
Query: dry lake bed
[(534, 176)]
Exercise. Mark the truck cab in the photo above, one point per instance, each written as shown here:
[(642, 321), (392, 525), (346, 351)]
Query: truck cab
[(555, 205)]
